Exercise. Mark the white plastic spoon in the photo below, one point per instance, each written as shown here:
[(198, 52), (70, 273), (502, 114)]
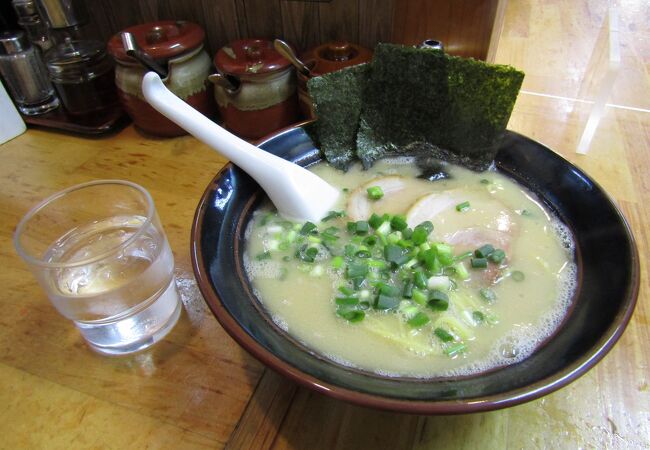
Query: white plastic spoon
[(297, 193)]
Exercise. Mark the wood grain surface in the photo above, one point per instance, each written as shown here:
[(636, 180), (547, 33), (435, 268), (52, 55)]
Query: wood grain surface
[(464, 25), (198, 389)]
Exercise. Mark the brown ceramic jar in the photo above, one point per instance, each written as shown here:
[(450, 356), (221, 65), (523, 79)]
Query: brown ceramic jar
[(255, 88), (176, 46), (326, 58)]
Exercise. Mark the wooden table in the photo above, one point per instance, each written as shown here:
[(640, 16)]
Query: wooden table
[(198, 389)]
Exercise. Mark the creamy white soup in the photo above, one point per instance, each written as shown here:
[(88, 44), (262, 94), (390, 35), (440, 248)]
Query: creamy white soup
[(419, 278)]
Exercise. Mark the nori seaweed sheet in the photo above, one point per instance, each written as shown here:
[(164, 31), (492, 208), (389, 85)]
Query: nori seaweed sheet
[(481, 98), (405, 97), (446, 107), (337, 100)]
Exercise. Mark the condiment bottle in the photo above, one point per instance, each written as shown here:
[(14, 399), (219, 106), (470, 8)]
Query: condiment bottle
[(30, 20), (24, 74), (326, 58), (255, 88), (82, 73), (178, 48)]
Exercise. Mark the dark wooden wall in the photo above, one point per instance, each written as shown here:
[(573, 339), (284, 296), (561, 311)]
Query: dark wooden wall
[(465, 26)]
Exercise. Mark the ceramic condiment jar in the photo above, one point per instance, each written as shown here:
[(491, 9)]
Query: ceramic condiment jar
[(326, 58), (177, 47), (255, 88)]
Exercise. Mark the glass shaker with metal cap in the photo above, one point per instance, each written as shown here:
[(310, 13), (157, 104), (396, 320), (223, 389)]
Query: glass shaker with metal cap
[(24, 75)]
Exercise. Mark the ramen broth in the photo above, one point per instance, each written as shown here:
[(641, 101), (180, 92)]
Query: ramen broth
[(529, 290)]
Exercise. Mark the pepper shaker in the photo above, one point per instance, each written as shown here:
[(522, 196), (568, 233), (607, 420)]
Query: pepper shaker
[(25, 76)]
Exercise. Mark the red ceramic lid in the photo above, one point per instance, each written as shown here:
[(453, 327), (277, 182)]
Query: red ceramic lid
[(161, 40), (335, 56), (249, 56)]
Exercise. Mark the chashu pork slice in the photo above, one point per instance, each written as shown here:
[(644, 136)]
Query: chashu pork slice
[(399, 193), (485, 221)]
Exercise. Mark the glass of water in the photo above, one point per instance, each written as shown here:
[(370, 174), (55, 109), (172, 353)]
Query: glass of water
[(99, 251)]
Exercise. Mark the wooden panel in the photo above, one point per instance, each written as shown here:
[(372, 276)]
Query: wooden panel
[(260, 18), (375, 21), (339, 21), (300, 23), (464, 26), (219, 23)]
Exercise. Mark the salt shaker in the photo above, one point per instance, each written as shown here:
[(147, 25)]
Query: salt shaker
[(24, 75)]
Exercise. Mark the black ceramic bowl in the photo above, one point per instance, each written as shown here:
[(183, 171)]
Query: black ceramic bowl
[(608, 284)]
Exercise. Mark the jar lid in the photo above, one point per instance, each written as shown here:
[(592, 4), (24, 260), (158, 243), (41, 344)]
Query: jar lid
[(24, 8), (161, 40), (334, 56), (249, 57), (13, 42), (72, 59)]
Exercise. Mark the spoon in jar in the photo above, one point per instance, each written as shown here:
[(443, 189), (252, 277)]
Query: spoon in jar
[(297, 193), (285, 50)]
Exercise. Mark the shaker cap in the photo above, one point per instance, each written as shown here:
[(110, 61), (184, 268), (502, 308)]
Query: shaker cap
[(249, 57), (161, 40), (13, 42)]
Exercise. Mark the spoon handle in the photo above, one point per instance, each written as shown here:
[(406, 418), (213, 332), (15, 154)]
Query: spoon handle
[(297, 193)]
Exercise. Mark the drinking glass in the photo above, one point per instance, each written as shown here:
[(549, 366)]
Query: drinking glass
[(101, 255)]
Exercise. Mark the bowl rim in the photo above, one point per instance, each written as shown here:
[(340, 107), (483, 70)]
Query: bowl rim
[(506, 399)]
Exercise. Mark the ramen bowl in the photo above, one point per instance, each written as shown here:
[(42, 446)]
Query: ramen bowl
[(603, 302)]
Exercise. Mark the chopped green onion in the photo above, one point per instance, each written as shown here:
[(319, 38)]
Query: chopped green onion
[(384, 229), (308, 228), (347, 301), (443, 335), (375, 192), (419, 297), (418, 320), (351, 315), (398, 222), (453, 350), (438, 300), (497, 256), (375, 221), (478, 316), (346, 291), (488, 295), (461, 271), (393, 253), (363, 254), (306, 253), (484, 251), (357, 269), (370, 240), (420, 280), (337, 262), (485, 181), (462, 206), (407, 292), (479, 263), (333, 215), (386, 302), (264, 255), (421, 233), (439, 282), (518, 275)]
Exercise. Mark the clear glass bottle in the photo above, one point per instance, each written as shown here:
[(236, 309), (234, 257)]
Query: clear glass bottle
[(24, 75)]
